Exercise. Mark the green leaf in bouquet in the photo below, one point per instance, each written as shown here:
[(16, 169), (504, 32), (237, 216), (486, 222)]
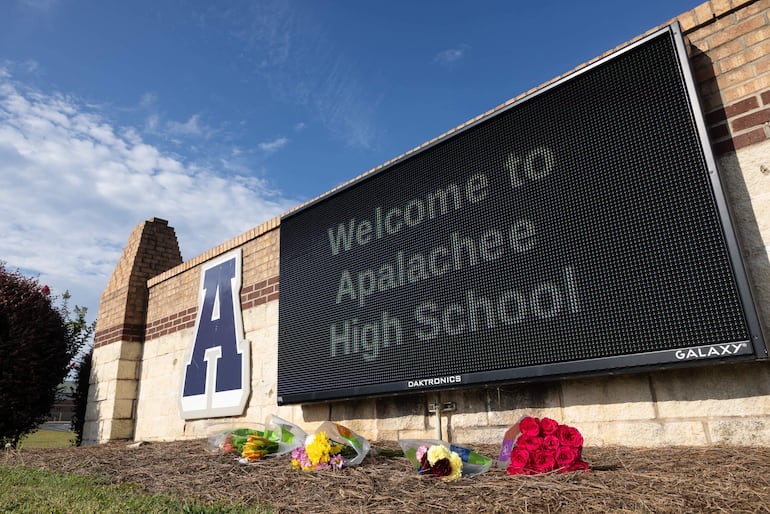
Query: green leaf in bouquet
[(239, 437), (411, 454)]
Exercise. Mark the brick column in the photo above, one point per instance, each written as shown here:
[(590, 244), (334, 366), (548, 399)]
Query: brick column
[(152, 248)]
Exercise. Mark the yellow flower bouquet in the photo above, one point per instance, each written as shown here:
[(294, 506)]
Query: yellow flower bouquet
[(333, 446)]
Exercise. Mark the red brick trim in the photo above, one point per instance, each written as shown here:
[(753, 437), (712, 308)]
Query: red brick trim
[(130, 332), (170, 324), (755, 119), (740, 124), (251, 296), (259, 293)]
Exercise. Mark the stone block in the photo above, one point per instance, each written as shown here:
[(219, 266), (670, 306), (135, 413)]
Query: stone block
[(740, 432), (647, 434), (254, 414), (106, 354), (417, 434), (167, 368), (106, 409), (107, 370), (713, 391), (153, 349), (264, 343), (101, 390), (404, 422), (92, 411), (396, 413), (123, 409), (387, 435), (155, 406), (175, 344), (127, 370), (507, 404), (271, 312), (291, 413), (268, 370), (150, 348), (613, 398), (253, 319), (263, 392), (131, 351), (470, 436), (119, 429), (179, 344), (681, 433), (125, 389), (312, 413), (172, 429), (357, 415), (471, 408), (90, 434)]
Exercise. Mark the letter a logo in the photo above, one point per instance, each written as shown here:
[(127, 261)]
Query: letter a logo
[(216, 380)]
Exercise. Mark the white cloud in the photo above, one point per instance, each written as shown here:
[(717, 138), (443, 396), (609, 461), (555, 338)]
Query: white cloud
[(450, 55), (274, 145), (151, 123), (31, 66), (191, 127), (149, 99), (170, 130), (40, 5), (301, 65), (75, 185)]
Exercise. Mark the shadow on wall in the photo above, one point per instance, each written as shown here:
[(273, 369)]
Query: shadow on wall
[(727, 381), (733, 179)]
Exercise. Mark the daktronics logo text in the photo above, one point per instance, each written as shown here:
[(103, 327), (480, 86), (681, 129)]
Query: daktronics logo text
[(427, 382)]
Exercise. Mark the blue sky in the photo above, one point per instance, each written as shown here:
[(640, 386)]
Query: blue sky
[(220, 115)]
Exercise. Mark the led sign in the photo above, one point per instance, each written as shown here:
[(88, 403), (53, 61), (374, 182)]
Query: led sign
[(581, 229)]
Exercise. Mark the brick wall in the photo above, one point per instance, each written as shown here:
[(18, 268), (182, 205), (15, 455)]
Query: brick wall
[(730, 56), (152, 248)]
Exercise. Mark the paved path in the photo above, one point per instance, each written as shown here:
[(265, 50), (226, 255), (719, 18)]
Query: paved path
[(63, 426)]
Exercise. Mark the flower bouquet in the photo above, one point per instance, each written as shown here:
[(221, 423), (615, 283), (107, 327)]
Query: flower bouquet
[(333, 446), (541, 446), (440, 459), (251, 444)]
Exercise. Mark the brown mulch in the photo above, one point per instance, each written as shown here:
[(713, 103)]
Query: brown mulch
[(711, 479)]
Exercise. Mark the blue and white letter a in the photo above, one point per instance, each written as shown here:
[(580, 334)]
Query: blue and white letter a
[(216, 378)]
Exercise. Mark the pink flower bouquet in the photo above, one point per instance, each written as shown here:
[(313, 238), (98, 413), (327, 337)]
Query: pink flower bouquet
[(440, 459)]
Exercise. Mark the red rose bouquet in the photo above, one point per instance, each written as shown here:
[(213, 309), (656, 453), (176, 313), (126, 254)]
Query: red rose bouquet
[(543, 445)]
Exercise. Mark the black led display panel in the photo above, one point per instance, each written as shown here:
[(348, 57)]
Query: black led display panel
[(582, 229)]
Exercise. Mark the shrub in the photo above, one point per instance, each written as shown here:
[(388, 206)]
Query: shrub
[(35, 353), (81, 396)]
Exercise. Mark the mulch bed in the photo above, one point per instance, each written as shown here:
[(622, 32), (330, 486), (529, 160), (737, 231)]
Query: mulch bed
[(711, 479)]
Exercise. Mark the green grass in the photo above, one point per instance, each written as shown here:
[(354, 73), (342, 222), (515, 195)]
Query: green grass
[(48, 439), (27, 491)]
